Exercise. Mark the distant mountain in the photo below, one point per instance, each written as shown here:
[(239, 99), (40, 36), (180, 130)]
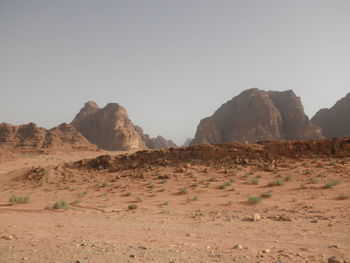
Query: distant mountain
[(111, 129), (155, 143), (335, 122), (257, 115), (30, 136)]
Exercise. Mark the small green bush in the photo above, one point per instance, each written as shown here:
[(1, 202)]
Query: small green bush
[(16, 199), (276, 183), (288, 178), (304, 186), (195, 198), (76, 202), (332, 183), (104, 184), (164, 181), (61, 204), (255, 181), (254, 199), (82, 194), (183, 191), (266, 194), (313, 180), (132, 207), (234, 171)]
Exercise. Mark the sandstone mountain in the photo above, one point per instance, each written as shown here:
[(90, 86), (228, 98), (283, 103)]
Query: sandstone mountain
[(31, 137), (111, 129), (335, 122), (257, 115)]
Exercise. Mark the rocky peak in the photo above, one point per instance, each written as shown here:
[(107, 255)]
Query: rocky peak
[(109, 128), (335, 122), (257, 115)]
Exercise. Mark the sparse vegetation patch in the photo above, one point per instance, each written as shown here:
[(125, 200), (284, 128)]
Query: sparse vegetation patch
[(17, 199), (61, 204)]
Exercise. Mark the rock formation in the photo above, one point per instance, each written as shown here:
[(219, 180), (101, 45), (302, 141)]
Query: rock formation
[(160, 142), (111, 129), (155, 143), (32, 137), (335, 122), (257, 115)]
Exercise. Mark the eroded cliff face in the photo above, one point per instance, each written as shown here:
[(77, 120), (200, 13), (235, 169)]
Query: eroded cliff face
[(111, 129), (257, 115), (335, 122), (295, 124), (31, 137)]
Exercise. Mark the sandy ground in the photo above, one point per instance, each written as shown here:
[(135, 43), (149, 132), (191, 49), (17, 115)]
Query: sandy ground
[(201, 214)]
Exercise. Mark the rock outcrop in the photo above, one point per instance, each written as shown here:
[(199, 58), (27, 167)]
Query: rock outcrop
[(31, 137), (111, 129), (257, 115), (335, 122)]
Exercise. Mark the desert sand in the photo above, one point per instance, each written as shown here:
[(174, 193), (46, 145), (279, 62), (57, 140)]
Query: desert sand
[(292, 209)]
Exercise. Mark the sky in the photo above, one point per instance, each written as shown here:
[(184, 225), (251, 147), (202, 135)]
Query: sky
[(169, 63)]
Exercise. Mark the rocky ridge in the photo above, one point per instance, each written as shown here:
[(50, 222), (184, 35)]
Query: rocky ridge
[(31, 137)]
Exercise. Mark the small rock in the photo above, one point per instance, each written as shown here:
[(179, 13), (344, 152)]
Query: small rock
[(7, 237), (284, 218), (238, 246), (256, 217), (132, 256), (267, 250), (333, 260), (333, 246)]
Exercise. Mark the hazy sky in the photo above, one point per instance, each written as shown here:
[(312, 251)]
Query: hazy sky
[(169, 63)]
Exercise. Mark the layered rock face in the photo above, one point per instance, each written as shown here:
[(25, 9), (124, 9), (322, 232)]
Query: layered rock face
[(30, 136), (335, 122), (257, 115), (111, 129)]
